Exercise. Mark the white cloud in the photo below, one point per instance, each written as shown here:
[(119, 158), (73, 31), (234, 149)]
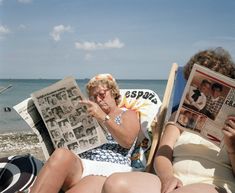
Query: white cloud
[(3, 31), (22, 27), (25, 1), (89, 46), (58, 30), (88, 56)]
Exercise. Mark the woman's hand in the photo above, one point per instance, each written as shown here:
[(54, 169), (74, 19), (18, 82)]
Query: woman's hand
[(169, 184), (229, 134), (94, 109)]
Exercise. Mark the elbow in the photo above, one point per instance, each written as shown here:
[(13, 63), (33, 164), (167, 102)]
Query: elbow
[(127, 143)]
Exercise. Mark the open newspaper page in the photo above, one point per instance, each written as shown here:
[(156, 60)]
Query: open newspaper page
[(28, 111), (67, 120), (208, 99)]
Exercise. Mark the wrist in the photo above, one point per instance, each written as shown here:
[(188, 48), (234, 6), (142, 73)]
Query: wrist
[(230, 149), (166, 177), (231, 152), (106, 118)]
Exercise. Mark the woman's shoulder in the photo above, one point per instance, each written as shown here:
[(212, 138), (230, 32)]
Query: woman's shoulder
[(130, 112)]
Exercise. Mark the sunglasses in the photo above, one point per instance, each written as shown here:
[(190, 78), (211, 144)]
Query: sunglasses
[(101, 95)]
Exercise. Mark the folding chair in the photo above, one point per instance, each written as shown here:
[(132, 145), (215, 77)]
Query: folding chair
[(175, 80), (146, 104)]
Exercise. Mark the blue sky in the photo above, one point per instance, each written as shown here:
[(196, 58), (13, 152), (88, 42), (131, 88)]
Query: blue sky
[(131, 39)]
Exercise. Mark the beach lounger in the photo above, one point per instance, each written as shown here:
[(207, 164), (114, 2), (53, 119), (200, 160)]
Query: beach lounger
[(171, 99), (147, 104)]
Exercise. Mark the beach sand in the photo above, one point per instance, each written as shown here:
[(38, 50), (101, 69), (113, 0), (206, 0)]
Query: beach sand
[(19, 144)]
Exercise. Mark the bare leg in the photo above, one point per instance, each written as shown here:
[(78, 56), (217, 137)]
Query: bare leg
[(63, 169), (88, 184), (200, 187), (132, 182)]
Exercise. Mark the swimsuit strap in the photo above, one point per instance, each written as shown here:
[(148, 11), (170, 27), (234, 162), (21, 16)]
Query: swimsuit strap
[(117, 119)]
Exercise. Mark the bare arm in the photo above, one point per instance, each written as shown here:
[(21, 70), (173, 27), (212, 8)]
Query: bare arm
[(124, 133), (163, 159), (229, 139), (127, 131)]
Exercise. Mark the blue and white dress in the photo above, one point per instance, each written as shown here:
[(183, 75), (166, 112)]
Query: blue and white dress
[(107, 158)]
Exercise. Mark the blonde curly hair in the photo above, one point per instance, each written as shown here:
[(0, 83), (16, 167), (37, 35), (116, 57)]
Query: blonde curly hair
[(108, 81), (218, 60)]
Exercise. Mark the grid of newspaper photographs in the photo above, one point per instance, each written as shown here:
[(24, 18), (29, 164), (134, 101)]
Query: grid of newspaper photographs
[(65, 118), (207, 101)]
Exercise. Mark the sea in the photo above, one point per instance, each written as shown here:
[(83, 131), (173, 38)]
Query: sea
[(21, 89), (16, 137)]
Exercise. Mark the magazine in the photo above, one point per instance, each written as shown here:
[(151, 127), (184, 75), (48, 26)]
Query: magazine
[(208, 99), (67, 121)]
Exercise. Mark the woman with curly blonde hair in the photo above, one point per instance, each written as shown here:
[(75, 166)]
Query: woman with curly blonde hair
[(70, 172)]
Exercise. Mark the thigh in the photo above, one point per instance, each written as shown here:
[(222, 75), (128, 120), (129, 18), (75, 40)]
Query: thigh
[(200, 187), (88, 184), (132, 182)]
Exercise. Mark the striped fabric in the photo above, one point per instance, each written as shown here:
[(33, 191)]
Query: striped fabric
[(17, 173)]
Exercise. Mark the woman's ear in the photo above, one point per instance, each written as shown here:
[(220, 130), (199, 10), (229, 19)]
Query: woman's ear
[(113, 93)]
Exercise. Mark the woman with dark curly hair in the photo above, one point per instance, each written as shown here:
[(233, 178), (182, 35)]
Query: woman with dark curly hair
[(185, 162)]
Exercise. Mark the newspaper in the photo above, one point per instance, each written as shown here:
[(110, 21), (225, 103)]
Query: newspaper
[(208, 99), (67, 121), (28, 111)]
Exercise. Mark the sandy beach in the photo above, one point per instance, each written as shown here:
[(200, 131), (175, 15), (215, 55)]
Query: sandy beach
[(20, 143)]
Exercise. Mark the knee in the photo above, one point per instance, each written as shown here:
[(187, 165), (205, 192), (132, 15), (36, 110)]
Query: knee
[(115, 184), (62, 156)]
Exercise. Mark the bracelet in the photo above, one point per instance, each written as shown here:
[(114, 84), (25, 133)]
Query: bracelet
[(106, 118)]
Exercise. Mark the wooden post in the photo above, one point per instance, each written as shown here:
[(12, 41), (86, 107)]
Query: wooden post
[(158, 127)]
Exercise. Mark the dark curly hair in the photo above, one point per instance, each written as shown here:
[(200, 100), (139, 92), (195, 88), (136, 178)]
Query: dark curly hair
[(218, 60)]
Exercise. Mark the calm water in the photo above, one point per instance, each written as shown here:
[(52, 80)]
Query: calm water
[(21, 89)]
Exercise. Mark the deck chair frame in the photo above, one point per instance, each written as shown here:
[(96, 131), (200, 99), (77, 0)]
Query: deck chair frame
[(157, 127)]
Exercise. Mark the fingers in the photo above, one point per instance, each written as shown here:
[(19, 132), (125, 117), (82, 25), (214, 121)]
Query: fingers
[(231, 122), (229, 126), (170, 188), (228, 130), (86, 102), (231, 117), (179, 184), (93, 108), (171, 185)]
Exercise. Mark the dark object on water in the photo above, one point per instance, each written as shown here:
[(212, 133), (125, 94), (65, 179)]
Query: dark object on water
[(7, 109)]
